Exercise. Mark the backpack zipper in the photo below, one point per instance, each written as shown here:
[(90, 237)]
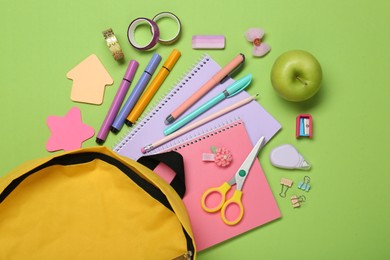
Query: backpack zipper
[(185, 256)]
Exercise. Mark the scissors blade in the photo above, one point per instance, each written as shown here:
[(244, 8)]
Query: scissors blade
[(243, 171)]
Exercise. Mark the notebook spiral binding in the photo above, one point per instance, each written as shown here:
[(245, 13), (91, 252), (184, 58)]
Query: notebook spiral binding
[(180, 143), (156, 106)]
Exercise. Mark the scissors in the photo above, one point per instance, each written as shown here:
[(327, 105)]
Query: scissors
[(238, 179)]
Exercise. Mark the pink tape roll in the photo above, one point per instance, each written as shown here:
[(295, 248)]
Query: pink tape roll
[(154, 30)]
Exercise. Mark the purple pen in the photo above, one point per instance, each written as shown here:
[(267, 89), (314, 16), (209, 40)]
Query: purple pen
[(116, 104)]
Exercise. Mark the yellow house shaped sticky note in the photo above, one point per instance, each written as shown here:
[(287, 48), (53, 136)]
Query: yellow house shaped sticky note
[(89, 80)]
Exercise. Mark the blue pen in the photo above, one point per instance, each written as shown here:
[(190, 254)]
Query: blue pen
[(141, 84), (231, 90)]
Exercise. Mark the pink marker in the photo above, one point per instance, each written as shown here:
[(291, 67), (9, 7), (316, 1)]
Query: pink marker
[(116, 104), (218, 78)]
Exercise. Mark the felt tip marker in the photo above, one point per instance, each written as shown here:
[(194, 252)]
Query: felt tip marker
[(153, 87), (117, 102), (137, 91)]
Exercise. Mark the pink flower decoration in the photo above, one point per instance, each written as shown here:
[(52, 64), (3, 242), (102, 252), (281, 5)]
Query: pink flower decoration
[(255, 35), (223, 157)]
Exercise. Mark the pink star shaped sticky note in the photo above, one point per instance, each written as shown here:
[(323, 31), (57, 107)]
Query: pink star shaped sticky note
[(67, 132)]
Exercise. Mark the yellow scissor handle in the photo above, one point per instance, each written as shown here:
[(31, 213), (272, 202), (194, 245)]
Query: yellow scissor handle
[(235, 199), (221, 190)]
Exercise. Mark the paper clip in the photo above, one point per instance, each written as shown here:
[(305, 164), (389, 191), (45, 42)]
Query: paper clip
[(296, 201), (286, 184), (304, 185)]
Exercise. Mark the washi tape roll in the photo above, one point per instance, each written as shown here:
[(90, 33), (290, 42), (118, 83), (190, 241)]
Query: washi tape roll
[(173, 17), (153, 28), (113, 44)]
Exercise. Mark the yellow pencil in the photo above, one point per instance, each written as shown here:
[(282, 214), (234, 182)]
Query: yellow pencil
[(153, 87)]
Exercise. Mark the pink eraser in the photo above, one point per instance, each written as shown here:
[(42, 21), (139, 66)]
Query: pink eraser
[(208, 42)]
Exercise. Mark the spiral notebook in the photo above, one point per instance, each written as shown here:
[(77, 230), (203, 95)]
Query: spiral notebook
[(150, 128), (259, 203)]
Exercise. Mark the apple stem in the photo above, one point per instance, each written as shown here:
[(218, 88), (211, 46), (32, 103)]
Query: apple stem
[(301, 80)]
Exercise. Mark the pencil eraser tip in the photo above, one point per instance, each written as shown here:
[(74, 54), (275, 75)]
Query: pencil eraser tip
[(143, 150)]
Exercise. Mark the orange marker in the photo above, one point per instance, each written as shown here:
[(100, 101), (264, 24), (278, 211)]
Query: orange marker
[(153, 87)]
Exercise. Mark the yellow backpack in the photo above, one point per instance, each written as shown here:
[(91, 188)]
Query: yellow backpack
[(94, 204)]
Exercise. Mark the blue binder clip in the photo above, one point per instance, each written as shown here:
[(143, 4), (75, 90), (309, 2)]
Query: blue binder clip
[(304, 185)]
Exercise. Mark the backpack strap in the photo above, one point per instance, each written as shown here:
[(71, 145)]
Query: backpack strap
[(173, 160)]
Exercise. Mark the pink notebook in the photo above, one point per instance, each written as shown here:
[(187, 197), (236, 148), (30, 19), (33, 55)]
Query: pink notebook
[(259, 203)]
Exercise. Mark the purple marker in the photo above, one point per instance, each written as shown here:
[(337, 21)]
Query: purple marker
[(116, 104), (137, 91)]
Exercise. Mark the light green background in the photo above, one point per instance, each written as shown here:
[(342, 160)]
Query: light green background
[(346, 215)]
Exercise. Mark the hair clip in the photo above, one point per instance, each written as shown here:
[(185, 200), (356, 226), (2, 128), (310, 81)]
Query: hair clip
[(304, 185), (296, 201), (255, 36), (221, 156), (286, 183)]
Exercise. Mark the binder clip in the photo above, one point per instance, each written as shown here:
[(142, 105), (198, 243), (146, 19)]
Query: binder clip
[(296, 201), (286, 184), (304, 185)]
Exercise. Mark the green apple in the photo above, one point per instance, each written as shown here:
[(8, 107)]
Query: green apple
[(296, 75)]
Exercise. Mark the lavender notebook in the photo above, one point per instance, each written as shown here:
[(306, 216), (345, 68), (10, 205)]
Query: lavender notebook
[(150, 128)]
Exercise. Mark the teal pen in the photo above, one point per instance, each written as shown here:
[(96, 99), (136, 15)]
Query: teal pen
[(230, 91)]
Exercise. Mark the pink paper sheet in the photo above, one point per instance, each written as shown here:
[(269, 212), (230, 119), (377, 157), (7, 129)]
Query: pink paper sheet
[(67, 132)]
